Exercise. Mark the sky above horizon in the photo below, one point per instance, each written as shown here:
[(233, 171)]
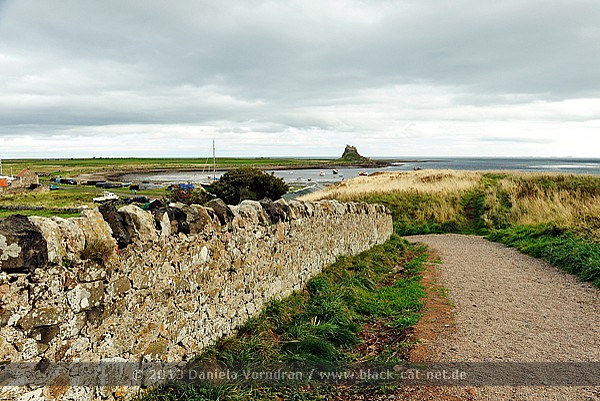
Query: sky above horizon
[(83, 78)]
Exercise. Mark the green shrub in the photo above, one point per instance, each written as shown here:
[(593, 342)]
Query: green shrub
[(189, 196), (248, 183)]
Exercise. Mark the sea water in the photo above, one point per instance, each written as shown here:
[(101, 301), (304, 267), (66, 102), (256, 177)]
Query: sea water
[(319, 177)]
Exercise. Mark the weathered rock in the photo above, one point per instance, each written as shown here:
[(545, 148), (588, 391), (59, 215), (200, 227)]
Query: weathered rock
[(30, 348), (139, 223), (165, 225), (286, 209), (276, 211), (116, 223), (86, 296), (155, 204), (222, 210), (254, 208), (40, 317), (23, 248), (73, 237), (178, 218), (165, 300), (35, 395), (193, 220), (120, 286), (94, 227), (207, 219), (298, 209), (54, 239)]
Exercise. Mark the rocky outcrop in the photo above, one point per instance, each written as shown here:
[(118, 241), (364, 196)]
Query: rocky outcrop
[(351, 154), (189, 275)]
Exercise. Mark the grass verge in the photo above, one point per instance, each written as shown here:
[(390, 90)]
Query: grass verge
[(561, 248), (324, 325)]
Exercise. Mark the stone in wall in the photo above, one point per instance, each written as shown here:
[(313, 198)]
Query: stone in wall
[(22, 246), (277, 211), (116, 222), (222, 210), (139, 223)]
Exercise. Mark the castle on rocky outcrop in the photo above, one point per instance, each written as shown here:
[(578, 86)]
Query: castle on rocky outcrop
[(351, 154)]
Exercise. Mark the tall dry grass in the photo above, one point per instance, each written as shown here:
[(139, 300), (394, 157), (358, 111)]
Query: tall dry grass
[(432, 196), (567, 201), (499, 199), (438, 182)]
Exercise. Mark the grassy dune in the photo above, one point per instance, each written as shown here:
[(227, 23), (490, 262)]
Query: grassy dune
[(552, 216)]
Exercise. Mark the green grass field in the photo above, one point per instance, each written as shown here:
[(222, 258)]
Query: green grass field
[(69, 196), (67, 167)]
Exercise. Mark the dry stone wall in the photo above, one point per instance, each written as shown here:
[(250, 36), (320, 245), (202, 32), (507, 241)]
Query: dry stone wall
[(160, 285)]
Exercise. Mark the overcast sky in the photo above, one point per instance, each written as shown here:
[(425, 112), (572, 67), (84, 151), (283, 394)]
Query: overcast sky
[(82, 78)]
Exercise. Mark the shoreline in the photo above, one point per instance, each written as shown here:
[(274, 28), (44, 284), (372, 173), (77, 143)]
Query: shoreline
[(117, 175)]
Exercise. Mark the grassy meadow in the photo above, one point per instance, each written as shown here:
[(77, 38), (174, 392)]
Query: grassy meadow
[(552, 216), (74, 166)]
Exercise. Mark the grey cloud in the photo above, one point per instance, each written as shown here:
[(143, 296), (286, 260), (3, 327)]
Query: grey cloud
[(516, 140), (86, 63)]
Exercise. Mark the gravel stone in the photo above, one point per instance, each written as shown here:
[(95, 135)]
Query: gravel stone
[(511, 307)]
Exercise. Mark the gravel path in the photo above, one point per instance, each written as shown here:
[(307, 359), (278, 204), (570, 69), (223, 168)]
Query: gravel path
[(512, 307)]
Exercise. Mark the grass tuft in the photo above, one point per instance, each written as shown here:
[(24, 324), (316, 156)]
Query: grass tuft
[(97, 249)]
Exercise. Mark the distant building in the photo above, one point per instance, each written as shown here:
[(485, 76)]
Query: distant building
[(26, 179)]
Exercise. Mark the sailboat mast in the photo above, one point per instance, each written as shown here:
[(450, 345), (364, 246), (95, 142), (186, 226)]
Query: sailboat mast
[(214, 162)]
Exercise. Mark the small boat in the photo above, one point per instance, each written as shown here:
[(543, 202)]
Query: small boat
[(106, 196), (210, 168), (322, 174), (363, 174), (54, 187), (335, 171), (69, 181), (417, 168), (108, 185)]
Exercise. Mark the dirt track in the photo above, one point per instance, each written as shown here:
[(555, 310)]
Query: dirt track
[(510, 307)]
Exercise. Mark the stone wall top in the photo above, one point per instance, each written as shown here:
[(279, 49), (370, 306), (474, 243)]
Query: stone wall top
[(27, 243)]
